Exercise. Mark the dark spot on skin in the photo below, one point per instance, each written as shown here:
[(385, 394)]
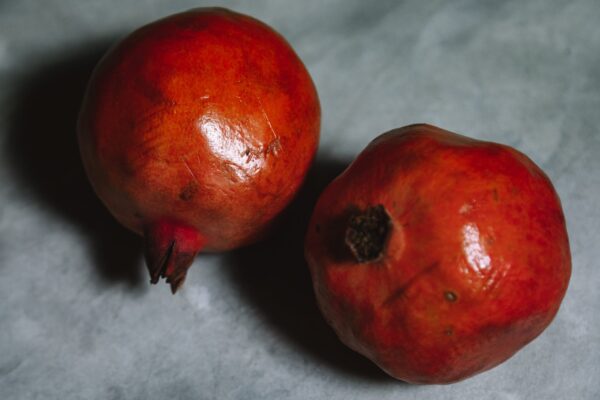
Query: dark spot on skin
[(318, 228), (495, 194), (367, 232), (450, 296), (189, 191), (151, 91), (449, 331)]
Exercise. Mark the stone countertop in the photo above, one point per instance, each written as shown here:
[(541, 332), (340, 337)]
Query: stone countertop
[(78, 318)]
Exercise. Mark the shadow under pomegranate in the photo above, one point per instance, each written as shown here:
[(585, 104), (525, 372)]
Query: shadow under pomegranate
[(44, 157), (273, 275)]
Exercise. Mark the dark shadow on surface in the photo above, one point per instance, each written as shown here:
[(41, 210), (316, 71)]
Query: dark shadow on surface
[(274, 276), (44, 155)]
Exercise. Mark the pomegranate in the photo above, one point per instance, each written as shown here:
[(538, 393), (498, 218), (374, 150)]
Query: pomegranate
[(438, 256), (196, 131)]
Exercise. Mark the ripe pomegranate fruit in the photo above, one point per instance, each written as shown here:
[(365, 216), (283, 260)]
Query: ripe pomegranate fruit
[(196, 131), (438, 256)]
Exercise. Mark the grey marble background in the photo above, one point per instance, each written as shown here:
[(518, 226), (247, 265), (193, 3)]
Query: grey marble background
[(78, 318)]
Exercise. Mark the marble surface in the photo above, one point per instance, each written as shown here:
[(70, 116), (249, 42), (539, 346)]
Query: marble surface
[(78, 318)]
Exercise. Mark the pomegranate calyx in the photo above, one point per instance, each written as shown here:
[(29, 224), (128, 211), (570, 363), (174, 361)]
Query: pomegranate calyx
[(367, 232), (170, 249)]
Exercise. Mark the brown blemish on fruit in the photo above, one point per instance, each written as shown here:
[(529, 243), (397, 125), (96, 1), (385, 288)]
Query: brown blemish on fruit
[(189, 191), (274, 146), (367, 233), (450, 296)]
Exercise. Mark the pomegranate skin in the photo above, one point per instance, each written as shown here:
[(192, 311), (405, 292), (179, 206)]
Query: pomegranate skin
[(204, 121), (438, 256)]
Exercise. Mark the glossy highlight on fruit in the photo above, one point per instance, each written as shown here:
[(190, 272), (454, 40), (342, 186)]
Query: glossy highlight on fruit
[(196, 131), (438, 256)]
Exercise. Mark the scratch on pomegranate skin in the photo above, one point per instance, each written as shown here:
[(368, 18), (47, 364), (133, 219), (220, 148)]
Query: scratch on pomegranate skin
[(268, 121), (185, 162), (264, 112)]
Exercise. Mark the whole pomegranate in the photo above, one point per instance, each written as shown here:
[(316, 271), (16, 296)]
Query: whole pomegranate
[(438, 256), (196, 131)]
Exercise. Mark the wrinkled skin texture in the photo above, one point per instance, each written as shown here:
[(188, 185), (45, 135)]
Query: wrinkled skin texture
[(205, 120), (475, 263)]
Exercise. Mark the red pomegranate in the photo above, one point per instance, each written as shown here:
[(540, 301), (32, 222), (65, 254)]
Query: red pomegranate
[(196, 131), (438, 256)]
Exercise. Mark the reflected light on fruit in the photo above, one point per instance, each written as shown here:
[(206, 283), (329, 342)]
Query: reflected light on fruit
[(476, 255), (229, 146)]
